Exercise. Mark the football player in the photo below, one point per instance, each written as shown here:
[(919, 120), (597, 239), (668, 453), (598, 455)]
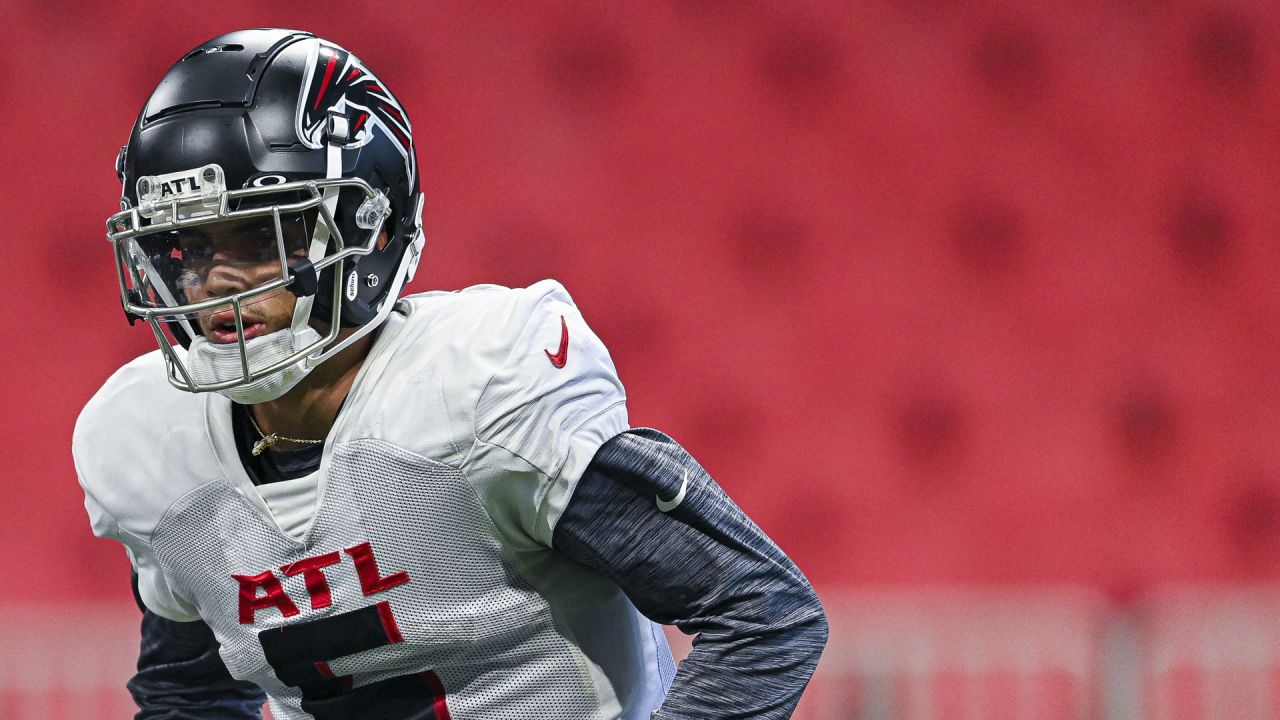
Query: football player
[(374, 507)]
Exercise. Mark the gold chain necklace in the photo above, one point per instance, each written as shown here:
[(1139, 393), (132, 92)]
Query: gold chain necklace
[(269, 440)]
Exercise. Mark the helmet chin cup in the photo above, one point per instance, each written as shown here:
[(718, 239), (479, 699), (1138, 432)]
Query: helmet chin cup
[(214, 364)]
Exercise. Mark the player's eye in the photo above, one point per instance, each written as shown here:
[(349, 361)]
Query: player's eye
[(196, 254)]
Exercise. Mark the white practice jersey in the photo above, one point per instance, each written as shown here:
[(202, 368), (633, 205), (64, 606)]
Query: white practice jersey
[(426, 571)]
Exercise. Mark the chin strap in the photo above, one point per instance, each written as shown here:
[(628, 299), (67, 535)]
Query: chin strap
[(416, 245), (404, 273), (337, 134)]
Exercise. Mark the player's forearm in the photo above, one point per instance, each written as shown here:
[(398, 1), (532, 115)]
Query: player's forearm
[(181, 676), (753, 674), (702, 565)]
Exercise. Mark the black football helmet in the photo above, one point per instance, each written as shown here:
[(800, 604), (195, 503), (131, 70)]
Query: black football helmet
[(290, 144)]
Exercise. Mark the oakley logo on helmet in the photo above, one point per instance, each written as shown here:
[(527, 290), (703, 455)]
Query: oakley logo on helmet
[(335, 79), (268, 180)]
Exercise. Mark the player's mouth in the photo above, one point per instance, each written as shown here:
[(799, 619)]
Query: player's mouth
[(222, 327)]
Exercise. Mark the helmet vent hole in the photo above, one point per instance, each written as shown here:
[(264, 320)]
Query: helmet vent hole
[(214, 49)]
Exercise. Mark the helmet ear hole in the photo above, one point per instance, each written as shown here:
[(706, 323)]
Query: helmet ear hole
[(384, 237)]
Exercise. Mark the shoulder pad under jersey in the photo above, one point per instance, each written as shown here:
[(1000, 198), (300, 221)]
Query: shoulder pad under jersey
[(140, 444)]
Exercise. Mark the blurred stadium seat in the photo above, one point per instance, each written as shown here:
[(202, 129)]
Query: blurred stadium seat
[(67, 661), (1210, 654), (953, 654), (1022, 653)]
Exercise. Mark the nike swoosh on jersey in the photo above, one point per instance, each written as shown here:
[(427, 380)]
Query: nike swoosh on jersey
[(667, 506), (561, 357)]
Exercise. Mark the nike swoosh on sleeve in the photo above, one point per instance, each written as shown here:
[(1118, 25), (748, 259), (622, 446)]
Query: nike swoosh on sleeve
[(667, 506), (562, 356)]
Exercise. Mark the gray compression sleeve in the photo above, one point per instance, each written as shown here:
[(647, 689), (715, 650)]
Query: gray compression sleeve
[(702, 566)]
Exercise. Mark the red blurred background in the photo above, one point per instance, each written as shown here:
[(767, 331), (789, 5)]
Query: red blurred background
[(952, 297)]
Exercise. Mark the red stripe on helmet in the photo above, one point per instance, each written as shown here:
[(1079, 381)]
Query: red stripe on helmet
[(328, 74)]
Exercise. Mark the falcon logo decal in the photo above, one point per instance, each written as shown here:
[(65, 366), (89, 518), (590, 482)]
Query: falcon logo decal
[(337, 79)]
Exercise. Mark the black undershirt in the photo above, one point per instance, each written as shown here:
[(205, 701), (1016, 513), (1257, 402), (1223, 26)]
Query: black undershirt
[(273, 465)]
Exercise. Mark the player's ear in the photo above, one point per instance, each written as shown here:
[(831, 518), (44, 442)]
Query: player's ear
[(383, 238)]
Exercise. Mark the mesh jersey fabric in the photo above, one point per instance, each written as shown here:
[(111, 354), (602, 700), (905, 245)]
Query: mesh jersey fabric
[(451, 461), (463, 613)]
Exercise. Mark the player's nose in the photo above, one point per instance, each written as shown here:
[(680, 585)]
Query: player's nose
[(225, 279)]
